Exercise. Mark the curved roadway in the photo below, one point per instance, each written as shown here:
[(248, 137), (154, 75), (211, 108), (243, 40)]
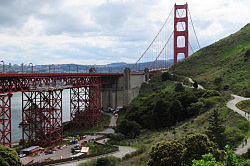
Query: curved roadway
[(242, 149)]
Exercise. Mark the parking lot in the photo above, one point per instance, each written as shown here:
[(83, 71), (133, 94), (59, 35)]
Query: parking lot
[(64, 152)]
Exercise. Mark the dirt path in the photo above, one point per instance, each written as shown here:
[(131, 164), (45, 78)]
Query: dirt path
[(232, 105)]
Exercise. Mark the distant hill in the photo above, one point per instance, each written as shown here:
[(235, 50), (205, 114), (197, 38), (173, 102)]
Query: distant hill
[(224, 65)]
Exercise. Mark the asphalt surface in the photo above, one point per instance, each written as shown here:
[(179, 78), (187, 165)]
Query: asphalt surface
[(242, 149), (65, 152), (122, 152)]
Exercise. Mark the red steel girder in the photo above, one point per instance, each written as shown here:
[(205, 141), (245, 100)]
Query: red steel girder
[(5, 120), (42, 117)]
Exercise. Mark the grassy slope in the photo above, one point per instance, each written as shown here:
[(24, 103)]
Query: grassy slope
[(195, 125), (223, 59)]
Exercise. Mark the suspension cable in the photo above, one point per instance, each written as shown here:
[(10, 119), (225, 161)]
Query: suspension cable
[(163, 48), (194, 30), (167, 41), (155, 37)]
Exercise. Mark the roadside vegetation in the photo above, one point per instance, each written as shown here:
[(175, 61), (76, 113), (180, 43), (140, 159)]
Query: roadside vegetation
[(244, 105), (104, 122), (172, 111)]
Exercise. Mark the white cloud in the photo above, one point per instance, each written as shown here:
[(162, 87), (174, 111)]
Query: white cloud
[(104, 31)]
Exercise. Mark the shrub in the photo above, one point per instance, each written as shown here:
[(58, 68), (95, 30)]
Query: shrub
[(197, 145), (106, 161), (233, 136), (181, 152), (9, 157), (247, 54), (179, 87), (196, 108), (130, 129), (166, 76), (210, 93), (167, 153), (195, 85)]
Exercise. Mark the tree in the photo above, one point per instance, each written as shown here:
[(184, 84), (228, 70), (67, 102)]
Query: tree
[(177, 110), (9, 157), (195, 85), (195, 146), (216, 129), (195, 108), (207, 160), (179, 88), (130, 129), (167, 153), (161, 115), (166, 76)]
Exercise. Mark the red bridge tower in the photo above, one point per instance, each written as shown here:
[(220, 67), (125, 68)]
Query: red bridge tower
[(180, 20)]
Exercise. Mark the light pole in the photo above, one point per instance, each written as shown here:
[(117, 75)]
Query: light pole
[(31, 67), (22, 67), (54, 68), (3, 65), (77, 68)]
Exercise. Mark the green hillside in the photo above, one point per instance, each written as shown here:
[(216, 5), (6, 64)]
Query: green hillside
[(224, 65)]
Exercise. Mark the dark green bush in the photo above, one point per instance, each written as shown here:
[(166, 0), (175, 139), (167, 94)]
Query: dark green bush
[(210, 93), (233, 136), (130, 129), (9, 157), (166, 76)]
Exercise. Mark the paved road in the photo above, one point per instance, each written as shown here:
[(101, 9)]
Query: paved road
[(123, 150), (232, 105), (112, 123), (199, 86), (65, 152)]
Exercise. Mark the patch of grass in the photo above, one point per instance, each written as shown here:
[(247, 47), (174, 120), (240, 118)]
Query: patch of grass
[(244, 105), (226, 60), (105, 120), (98, 149)]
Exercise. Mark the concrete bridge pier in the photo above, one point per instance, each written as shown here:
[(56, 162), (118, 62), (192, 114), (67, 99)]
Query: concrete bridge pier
[(122, 90)]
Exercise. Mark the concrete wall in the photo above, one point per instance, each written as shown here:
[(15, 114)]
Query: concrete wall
[(123, 90)]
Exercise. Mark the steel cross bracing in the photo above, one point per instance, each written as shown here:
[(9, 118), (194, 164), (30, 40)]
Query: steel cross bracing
[(42, 117), (42, 103), (5, 119)]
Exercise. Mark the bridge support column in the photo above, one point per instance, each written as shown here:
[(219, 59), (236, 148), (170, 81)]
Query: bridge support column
[(42, 117), (85, 104), (5, 120), (177, 33)]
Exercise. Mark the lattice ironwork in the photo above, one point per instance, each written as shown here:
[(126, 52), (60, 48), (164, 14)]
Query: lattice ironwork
[(42, 117), (5, 119), (85, 103)]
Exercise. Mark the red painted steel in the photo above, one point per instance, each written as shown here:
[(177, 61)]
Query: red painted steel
[(42, 117), (5, 119), (177, 49), (85, 103)]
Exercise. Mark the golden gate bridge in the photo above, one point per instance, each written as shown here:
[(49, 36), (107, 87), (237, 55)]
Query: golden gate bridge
[(42, 92)]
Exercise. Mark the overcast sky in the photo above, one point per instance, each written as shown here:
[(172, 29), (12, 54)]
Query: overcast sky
[(103, 31)]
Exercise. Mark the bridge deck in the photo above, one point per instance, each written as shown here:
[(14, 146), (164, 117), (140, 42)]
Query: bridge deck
[(32, 75)]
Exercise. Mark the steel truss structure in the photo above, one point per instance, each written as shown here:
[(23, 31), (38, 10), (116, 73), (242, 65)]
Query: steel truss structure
[(5, 119), (85, 103), (42, 117)]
